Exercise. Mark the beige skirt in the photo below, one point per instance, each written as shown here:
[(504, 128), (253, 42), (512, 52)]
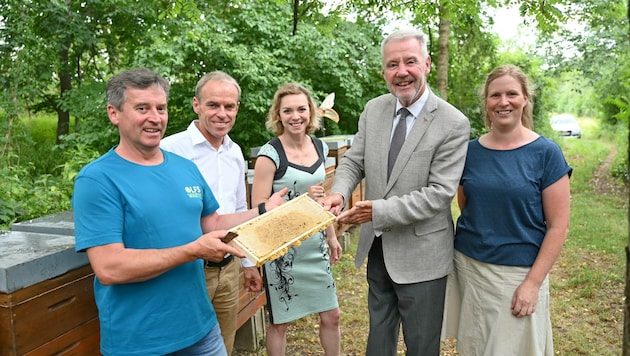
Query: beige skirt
[(478, 314)]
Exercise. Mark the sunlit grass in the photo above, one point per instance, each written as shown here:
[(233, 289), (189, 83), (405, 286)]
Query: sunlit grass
[(588, 280)]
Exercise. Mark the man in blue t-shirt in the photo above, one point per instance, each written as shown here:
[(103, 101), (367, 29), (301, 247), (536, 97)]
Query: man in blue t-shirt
[(147, 219)]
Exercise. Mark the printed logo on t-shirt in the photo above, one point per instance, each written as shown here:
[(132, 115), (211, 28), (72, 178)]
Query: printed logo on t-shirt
[(193, 192)]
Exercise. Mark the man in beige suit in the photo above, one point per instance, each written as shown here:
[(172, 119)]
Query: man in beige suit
[(407, 228)]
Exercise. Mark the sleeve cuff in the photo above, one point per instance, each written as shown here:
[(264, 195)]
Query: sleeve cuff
[(245, 262)]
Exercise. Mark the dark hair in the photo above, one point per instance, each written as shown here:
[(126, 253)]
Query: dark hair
[(139, 78)]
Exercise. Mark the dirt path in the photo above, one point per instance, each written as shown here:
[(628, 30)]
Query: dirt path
[(603, 182)]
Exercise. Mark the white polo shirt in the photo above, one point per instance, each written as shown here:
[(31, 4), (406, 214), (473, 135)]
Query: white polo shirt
[(224, 169)]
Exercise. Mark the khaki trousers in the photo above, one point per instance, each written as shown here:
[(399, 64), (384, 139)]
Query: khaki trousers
[(222, 284)]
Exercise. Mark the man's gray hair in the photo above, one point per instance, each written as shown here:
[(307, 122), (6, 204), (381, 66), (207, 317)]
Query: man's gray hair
[(403, 34), (138, 78)]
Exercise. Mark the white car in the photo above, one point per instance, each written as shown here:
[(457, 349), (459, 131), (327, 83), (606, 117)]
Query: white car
[(566, 125)]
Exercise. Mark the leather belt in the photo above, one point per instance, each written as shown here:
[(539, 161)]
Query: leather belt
[(210, 264)]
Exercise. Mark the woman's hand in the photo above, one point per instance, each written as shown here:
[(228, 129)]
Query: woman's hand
[(334, 248), (525, 299), (317, 191)]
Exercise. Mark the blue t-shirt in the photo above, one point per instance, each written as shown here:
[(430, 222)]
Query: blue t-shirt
[(146, 207), (503, 221)]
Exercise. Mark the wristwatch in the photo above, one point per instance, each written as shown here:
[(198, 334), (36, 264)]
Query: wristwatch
[(261, 209)]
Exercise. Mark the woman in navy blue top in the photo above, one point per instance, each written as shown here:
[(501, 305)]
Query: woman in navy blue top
[(514, 201)]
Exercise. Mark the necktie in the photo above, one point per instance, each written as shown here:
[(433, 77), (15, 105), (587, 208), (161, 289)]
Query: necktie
[(398, 139)]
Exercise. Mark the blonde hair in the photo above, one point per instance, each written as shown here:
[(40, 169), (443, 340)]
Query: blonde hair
[(527, 119), (273, 122)]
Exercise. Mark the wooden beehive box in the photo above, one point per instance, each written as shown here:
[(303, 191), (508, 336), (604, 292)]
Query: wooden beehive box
[(53, 317)]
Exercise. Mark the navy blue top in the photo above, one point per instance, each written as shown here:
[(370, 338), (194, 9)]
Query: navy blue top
[(502, 221)]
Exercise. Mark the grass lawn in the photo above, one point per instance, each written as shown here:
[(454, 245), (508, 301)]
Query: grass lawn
[(587, 282)]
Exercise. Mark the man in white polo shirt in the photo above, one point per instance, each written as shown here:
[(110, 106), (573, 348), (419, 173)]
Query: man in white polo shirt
[(220, 160)]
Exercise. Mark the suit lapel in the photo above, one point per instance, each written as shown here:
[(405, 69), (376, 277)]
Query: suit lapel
[(414, 138)]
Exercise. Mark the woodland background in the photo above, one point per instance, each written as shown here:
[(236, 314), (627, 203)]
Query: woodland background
[(56, 56)]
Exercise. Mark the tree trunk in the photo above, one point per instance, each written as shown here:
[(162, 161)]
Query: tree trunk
[(65, 82), (6, 147), (626, 310), (296, 8), (626, 323), (442, 63)]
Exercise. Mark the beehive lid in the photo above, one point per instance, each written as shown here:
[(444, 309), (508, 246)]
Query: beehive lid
[(60, 223), (27, 258)]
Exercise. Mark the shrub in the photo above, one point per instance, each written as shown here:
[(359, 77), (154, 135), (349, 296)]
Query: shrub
[(619, 167)]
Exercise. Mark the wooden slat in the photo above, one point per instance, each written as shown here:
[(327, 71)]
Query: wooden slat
[(80, 341), (251, 308), (24, 294)]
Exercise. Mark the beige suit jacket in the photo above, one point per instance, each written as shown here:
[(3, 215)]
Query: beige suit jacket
[(413, 208)]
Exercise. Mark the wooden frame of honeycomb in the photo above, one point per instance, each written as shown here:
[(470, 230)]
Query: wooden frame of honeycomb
[(269, 236)]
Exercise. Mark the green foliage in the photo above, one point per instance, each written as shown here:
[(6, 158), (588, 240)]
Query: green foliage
[(572, 96), (56, 57), (251, 40), (77, 158), (52, 47), (28, 191), (546, 13), (27, 196), (594, 48), (466, 77), (30, 178), (619, 168), (587, 281), (254, 42)]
